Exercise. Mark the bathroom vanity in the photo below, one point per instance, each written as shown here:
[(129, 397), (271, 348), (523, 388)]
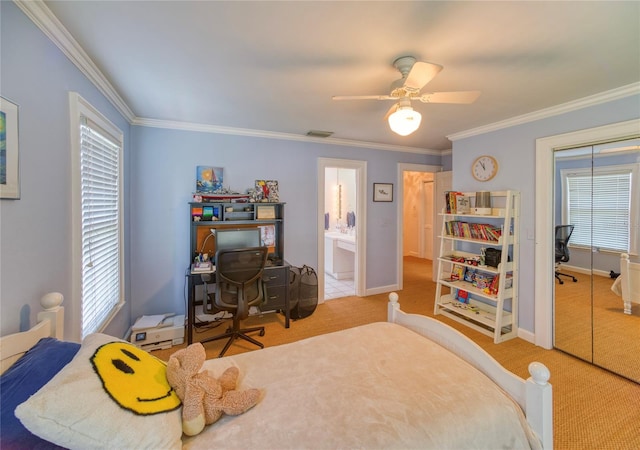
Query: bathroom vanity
[(339, 254)]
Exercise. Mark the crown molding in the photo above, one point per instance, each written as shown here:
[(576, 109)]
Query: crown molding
[(49, 24), (592, 100), (216, 129)]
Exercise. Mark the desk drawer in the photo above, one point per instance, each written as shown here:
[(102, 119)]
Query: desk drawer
[(276, 298), (276, 276)]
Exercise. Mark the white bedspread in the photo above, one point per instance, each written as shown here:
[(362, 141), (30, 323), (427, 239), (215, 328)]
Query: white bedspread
[(375, 386)]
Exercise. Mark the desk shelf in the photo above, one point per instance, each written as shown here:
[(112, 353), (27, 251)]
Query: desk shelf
[(205, 216), (269, 217)]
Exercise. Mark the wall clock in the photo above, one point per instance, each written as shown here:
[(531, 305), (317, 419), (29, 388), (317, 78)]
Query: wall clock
[(484, 168)]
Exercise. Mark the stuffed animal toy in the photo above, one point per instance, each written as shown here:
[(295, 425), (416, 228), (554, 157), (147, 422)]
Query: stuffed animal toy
[(205, 398)]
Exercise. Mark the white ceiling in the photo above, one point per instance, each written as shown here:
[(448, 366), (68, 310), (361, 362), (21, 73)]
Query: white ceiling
[(274, 65)]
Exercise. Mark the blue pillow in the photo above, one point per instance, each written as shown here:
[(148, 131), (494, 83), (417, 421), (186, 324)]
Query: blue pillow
[(32, 371)]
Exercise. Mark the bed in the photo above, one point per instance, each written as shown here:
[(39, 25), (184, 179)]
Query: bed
[(410, 382), (627, 285)]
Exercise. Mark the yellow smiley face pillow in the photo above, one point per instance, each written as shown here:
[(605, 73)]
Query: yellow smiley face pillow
[(134, 379), (111, 395)]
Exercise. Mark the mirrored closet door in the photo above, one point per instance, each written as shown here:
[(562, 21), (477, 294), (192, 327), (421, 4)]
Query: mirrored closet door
[(597, 203)]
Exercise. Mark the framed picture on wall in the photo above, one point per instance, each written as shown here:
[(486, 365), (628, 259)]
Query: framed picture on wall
[(9, 150), (208, 179), (382, 192)]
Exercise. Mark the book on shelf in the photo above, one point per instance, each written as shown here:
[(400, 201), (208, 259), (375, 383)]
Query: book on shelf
[(450, 201), (457, 272), (462, 296), (480, 231), (463, 204)]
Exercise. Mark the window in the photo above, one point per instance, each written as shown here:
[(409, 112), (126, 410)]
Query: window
[(600, 205), (97, 205)]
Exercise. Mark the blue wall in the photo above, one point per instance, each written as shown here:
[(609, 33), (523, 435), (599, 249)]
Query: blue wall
[(514, 148), (160, 169), (35, 232), (164, 163)]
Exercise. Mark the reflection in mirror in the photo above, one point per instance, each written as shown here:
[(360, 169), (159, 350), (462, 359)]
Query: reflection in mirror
[(572, 305), (597, 189)]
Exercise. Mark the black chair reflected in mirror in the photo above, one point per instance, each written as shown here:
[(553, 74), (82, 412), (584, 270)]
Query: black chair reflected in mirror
[(563, 234), (239, 286)]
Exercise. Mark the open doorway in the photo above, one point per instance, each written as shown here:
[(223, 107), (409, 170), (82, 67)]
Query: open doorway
[(418, 224), (339, 232), (341, 228), (418, 214)]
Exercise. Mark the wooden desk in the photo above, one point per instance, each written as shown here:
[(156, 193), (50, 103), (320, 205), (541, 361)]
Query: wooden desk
[(277, 297)]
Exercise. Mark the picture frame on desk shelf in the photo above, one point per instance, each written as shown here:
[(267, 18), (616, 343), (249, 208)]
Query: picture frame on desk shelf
[(265, 212), (9, 150), (267, 191), (382, 192), (268, 235), (196, 214), (208, 179), (207, 213)]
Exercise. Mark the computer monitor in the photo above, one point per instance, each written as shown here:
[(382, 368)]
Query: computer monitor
[(227, 239)]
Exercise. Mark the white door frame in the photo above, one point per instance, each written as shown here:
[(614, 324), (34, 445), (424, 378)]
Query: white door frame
[(544, 218), (422, 241), (405, 167), (360, 272)]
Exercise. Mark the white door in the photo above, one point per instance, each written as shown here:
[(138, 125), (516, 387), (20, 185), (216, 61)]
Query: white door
[(427, 225), (443, 183)]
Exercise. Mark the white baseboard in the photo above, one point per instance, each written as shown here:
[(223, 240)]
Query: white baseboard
[(383, 290), (526, 335)]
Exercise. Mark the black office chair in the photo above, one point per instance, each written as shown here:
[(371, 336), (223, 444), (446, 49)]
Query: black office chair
[(239, 286), (563, 234)]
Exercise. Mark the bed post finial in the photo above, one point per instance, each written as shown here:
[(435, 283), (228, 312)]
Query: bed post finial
[(53, 312), (539, 373), (51, 300), (392, 307), (539, 403)]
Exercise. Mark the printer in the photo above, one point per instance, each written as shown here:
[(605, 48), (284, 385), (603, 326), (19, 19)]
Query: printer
[(158, 332)]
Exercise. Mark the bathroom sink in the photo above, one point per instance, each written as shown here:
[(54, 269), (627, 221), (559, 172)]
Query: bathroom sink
[(340, 236)]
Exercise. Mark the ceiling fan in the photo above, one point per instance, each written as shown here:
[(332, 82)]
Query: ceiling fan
[(415, 75)]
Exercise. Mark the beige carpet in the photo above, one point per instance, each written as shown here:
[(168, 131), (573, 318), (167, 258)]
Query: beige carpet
[(593, 408)]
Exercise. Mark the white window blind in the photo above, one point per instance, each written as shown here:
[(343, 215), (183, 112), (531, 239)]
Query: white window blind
[(599, 205), (101, 237)]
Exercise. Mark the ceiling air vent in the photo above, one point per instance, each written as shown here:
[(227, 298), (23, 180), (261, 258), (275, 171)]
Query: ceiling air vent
[(319, 134)]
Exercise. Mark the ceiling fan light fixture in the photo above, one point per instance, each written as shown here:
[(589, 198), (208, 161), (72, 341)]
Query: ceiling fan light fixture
[(405, 120)]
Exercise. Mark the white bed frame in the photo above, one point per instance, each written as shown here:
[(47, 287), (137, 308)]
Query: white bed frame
[(629, 282), (50, 324), (533, 395)]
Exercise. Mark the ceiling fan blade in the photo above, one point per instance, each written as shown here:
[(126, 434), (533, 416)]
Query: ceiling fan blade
[(421, 73), (363, 97), (449, 97), (393, 109)]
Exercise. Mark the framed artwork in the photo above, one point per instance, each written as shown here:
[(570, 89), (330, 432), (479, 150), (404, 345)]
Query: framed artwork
[(9, 150), (267, 191), (208, 179), (382, 192)]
